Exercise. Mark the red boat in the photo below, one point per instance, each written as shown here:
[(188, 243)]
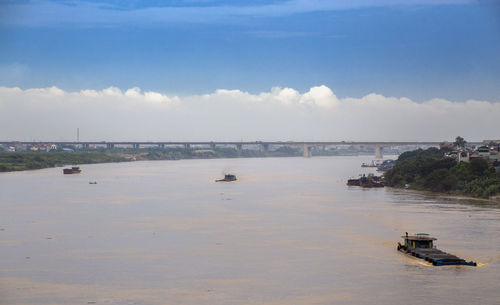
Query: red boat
[(73, 170)]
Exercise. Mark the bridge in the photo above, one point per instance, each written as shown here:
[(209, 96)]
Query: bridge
[(264, 145)]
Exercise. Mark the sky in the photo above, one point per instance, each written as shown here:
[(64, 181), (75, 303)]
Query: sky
[(249, 70)]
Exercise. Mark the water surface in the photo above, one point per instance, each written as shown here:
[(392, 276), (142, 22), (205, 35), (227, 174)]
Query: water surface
[(289, 231)]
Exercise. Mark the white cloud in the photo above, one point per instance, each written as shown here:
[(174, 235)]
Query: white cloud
[(280, 114), (320, 96)]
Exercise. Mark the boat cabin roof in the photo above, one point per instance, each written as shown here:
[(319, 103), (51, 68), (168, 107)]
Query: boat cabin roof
[(419, 236)]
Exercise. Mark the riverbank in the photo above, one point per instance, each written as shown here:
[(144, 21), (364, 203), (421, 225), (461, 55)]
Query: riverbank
[(464, 198), (430, 170), (20, 161), (10, 162), (38, 160)]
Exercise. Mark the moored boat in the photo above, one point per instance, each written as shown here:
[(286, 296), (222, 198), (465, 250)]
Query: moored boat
[(374, 163), (386, 165), (227, 178), (367, 181), (72, 170), (421, 245)]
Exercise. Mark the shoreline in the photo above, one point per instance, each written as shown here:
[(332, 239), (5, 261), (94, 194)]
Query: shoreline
[(120, 157), (495, 199)]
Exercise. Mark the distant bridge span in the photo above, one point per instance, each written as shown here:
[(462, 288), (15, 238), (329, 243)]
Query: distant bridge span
[(264, 145), (313, 143)]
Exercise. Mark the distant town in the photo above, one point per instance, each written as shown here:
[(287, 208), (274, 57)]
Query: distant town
[(460, 150)]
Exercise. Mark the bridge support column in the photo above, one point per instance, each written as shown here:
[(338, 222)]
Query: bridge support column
[(187, 146), (161, 145), (379, 152), (137, 146), (239, 147), (264, 147), (307, 151), (212, 146), (110, 145), (86, 145)]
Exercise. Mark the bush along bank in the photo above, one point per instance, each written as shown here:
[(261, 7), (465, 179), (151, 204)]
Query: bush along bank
[(430, 170), (27, 161)]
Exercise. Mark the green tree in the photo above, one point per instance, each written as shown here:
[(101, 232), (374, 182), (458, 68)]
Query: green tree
[(478, 166), (460, 142)]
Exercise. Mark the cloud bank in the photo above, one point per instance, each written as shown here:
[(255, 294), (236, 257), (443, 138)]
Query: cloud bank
[(283, 114)]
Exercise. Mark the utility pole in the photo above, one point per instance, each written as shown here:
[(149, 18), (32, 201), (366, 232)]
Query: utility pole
[(78, 135)]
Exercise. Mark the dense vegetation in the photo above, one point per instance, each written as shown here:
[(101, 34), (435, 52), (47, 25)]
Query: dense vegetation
[(19, 161), (181, 153), (36, 160), (430, 170)]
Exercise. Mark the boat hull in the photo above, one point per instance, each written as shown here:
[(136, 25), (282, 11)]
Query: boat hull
[(225, 180), (69, 171), (435, 256)]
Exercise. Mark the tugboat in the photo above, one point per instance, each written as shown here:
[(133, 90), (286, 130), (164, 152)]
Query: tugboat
[(72, 170), (421, 245), (227, 178)]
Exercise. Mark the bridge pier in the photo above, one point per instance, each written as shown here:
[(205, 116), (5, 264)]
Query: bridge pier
[(264, 147), (239, 147), (161, 145), (379, 152), (187, 146), (110, 145), (137, 146), (86, 145), (307, 151), (212, 146)]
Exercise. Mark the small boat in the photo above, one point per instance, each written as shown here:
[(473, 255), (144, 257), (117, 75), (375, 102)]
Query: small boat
[(92, 182), (386, 165), (227, 178), (72, 170), (421, 245), (374, 163)]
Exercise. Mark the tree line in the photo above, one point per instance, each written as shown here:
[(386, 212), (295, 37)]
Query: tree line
[(430, 170)]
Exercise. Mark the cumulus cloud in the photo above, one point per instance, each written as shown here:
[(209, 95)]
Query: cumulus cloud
[(280, 114)]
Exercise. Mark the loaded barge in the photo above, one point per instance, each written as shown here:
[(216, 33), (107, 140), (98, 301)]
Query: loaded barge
[(367, 181), (421, 245), (73, 170)]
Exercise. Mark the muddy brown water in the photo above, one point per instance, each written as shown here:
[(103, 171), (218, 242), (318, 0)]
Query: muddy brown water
[(289, 231)]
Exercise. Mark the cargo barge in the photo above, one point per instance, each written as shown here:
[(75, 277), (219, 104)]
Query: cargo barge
[(367, 181), (73, 170), (421, 245)]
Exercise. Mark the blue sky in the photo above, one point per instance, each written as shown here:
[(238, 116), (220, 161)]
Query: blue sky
[(417, 49)]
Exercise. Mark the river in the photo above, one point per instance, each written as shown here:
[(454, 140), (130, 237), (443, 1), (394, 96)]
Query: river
[(289, 231)]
